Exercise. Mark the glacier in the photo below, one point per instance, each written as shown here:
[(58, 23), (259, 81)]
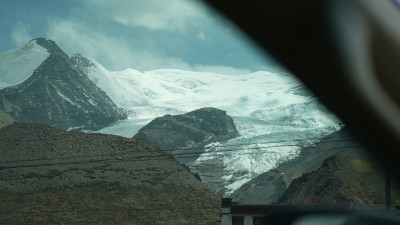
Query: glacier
[(274, 113)]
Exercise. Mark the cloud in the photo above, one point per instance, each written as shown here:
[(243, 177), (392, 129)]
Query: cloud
[(201, 36), (74, 36), (171, 15), (117, 53), (114, 52), (95, 34), (21, 33)]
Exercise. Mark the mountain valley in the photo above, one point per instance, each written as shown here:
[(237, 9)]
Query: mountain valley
[(268, 123)]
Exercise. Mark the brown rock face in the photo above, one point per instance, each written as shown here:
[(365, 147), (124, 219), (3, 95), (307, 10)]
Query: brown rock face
[(342, 181)]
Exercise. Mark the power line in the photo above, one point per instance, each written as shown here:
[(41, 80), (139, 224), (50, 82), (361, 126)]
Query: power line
[(192, 152), (264, 152), (83, 162), (139, 159), (100, 210), (272, 142), (215, 153), (176, 154)]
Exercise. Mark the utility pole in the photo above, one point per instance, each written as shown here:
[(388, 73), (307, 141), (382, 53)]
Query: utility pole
[(388, 189)]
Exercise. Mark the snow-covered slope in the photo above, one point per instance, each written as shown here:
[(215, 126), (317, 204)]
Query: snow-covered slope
[(18, 64), (178, 91), (268, 138), (274, 114)]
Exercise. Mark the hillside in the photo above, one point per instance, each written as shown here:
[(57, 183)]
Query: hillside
[(268, 187), (345, 180), (52, 176)]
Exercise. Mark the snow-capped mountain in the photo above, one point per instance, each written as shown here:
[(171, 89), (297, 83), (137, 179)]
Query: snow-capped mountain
[(40, 84), (274, 113)]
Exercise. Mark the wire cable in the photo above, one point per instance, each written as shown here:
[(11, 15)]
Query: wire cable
[(191, 151), (138, 159)]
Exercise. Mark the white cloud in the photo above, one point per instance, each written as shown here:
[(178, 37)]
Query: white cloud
[(115, 52), (201, 36), (170, 15), (123, 48), (21, 33)]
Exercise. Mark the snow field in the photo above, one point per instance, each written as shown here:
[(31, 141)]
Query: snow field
[(17, 65)]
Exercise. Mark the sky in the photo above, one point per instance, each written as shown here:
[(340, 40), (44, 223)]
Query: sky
[(138, 34)]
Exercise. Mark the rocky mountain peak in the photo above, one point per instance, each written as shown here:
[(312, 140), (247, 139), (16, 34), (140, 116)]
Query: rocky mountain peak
[(214, 120), (51, 46), (80, 61), (59, 94), (189, 132)]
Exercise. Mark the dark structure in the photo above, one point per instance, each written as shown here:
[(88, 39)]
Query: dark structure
[(235, 214)]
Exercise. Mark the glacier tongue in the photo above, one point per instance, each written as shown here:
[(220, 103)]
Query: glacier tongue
[(18, 65), (265, 142), (274, 114)]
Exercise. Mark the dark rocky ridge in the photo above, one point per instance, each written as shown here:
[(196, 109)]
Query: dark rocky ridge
[(59, 94), (343, 181), (52, 176), (185, 136), (268, 187), (81, 62)]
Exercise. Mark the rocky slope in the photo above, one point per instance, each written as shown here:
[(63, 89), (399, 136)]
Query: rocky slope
[(186, 135), (345, 180), (52, 91), (268, 187), (52, 176), (5, 119)]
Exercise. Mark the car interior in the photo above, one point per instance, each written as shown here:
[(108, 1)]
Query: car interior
[(346, 52)]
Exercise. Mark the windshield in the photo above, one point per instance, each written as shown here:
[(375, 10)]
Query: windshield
[(163, 112)]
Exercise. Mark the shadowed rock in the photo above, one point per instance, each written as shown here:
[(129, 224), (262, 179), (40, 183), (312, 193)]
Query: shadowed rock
[(185, 136)]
